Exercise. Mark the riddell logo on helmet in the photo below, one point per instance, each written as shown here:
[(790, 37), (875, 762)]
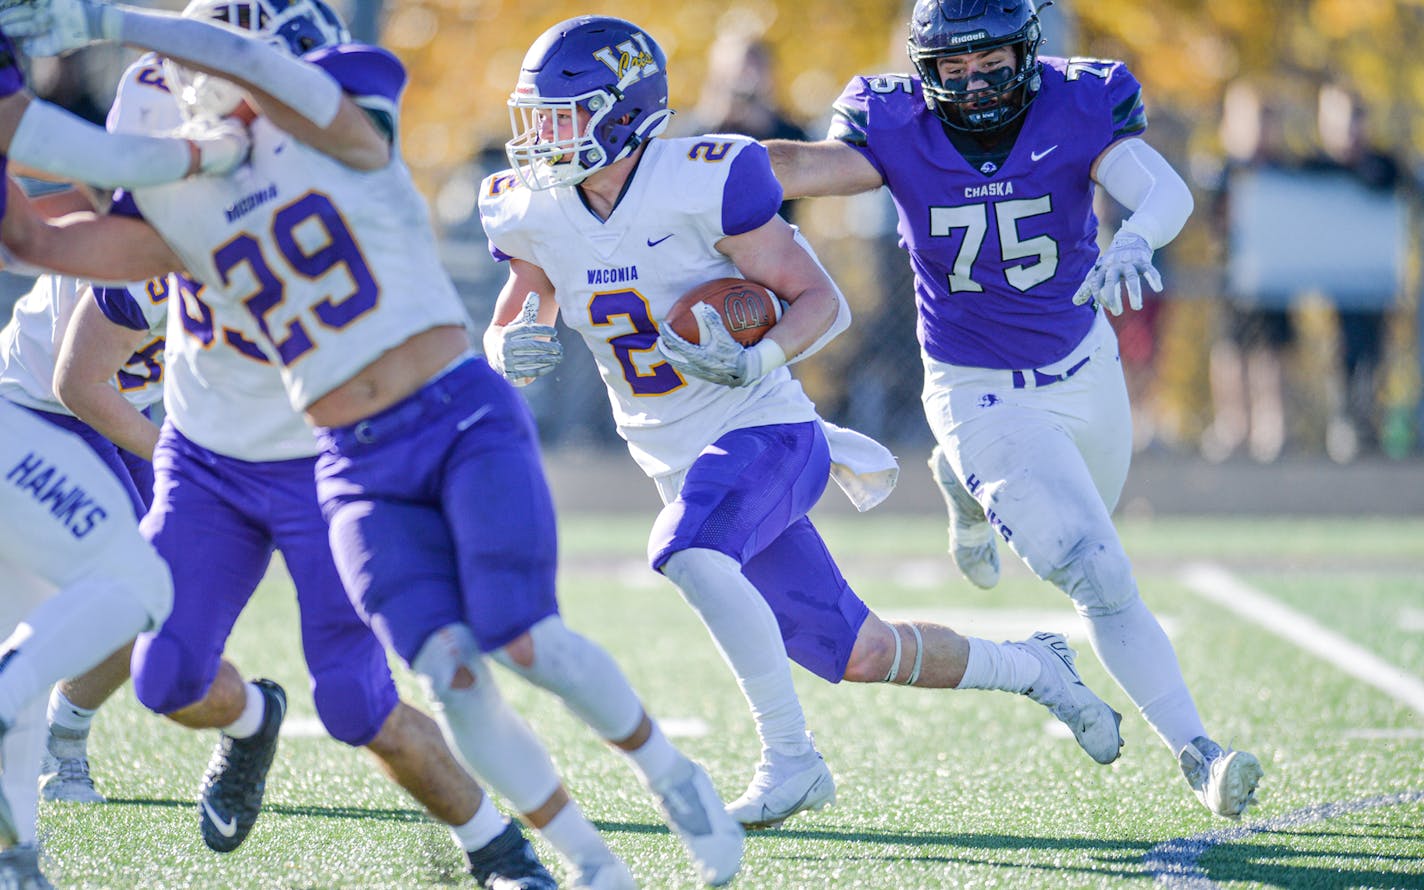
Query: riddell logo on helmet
[(968, 38)]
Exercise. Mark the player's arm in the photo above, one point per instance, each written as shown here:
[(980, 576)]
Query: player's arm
[(85, 245), (1140, 179), (301, 98), (521, 341), (92, 352), (828, 167), (45, 137), (771, 256)]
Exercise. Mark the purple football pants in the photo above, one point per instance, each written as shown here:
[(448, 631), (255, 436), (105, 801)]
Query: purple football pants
[(216, 520), (134, 473), (440, 513), (747, 495)]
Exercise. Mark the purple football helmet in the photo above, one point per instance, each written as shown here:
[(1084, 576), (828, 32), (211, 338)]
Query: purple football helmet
[(591, 90), (940, 28)]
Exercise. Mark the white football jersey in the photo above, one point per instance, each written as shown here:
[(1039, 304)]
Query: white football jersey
[(332, 267), (222, 391), (30, 343), (616, 279)]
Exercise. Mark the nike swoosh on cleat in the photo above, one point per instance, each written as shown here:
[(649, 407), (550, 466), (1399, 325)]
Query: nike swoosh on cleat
[(226, 828), (772, 819), (652, 243), (1040, 155)]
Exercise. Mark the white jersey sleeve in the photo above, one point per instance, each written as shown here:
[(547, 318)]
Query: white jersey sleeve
[(616, 279), (221, 391)]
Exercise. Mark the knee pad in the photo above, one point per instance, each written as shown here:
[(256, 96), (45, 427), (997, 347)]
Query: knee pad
[(1097, 576), (351, 710), (167, 676), (582, 675), (441, 657), (143, 577)]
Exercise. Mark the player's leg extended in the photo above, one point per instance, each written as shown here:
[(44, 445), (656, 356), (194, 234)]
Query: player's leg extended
[(64, 773), (1046, 503), (501, 518), (1223, 780), (66, 521), (397, 563), (209, 521), (737, 500), (357, 702)]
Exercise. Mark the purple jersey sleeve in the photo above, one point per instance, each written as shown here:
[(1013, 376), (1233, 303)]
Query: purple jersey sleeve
[(119, 306), (362, 70), (1129, 114), (752, 194), (850, 115), (124, 205), (12, 79)]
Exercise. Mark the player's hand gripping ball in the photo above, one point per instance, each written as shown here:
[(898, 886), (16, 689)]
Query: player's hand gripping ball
[(747, 309)]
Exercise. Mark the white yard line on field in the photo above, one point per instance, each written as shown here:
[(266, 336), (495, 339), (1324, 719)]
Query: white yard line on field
[(1173, 864), (1225, 589)]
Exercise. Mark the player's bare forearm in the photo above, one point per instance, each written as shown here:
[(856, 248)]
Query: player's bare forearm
[(86, 245), (771, 256), (815, 169), (92, 352)]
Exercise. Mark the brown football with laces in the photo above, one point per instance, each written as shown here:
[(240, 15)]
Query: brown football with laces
[(748, 310)]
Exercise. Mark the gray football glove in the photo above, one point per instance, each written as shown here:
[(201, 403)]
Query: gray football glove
[(529, 349), (1126, 262), (716, 357), (52, 27)]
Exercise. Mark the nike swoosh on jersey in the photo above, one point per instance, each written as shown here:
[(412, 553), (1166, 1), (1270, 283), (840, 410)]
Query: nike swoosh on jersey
[(472, 419), (1037, 156), (652, 243), (226, 828)]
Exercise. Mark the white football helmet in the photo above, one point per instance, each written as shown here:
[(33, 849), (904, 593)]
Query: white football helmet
[(294, 26)]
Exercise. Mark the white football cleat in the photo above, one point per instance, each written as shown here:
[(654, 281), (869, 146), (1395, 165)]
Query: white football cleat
[(611, 874), (694, 812), (783, 787), (64, 771), (1060, 689), (971, 538), (1224, 780)]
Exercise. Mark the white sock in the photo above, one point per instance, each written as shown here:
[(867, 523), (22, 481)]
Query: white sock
[(64, 636), (1002, 666), (484, 826), (575, 838), (745, 632), (1138, 655), (67, 715), (250, 720), (657, 760)]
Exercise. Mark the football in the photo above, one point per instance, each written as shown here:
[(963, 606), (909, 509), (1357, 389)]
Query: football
[(748, 310)]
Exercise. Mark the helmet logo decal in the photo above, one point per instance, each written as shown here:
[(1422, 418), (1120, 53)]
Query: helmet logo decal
[(629, 58)]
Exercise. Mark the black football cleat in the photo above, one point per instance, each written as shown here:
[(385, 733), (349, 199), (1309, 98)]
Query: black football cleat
[(509, 863), (231, 794)]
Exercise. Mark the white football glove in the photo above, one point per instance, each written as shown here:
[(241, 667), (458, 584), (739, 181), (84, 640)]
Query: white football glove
[(1126, 262), (52, 27), (716, 357), (528, 349), (222, 145)]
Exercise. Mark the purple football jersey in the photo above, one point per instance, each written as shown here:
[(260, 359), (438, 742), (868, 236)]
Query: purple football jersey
[(997, 251)]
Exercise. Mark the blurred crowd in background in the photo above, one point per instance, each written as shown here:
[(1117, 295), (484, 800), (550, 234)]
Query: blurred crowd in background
[(1290, 324)]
